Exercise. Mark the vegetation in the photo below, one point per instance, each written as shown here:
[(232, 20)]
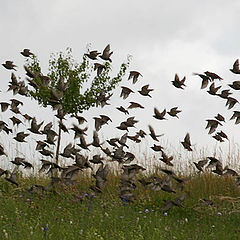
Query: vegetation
[(76, 213)]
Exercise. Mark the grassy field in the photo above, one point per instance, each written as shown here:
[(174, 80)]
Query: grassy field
[(77, 213)]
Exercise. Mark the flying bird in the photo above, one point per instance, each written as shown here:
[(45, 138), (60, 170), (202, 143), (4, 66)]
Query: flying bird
[(106, 54), (26, 52), (235, 85), (187, 143), (159, 115), (174, 111), (93, 54), (134, 75), (235, 68), (231, 102), (212, 75), (205, 79), (125, 92), (9, 65), (135, 105), (178, 83), (212, 124), (153, 134), (145, 90), (213, 90), (224, 94), (200, 164), (122, 109)]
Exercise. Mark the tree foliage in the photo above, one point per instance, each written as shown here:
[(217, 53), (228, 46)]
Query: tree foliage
[(76, 86)]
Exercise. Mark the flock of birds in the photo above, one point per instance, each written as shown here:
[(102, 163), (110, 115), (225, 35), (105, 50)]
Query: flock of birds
[(113, 149)]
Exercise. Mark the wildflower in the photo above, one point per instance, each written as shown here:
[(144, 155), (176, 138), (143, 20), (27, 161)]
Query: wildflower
[(144, 216), (186, 220), (59, 207), (165, 214), (5, 233), (71, 222), (140, 212), (219, 214), (146, 211)]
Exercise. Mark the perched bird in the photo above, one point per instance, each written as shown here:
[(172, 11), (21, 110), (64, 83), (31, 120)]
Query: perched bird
[(106, 54), (212, 75), (235, 68), (178, 83), (125, 92), (153, 134), (122, 109), (135, 105), (20, 137), (26, 52), (200, 164), (134, 76), (174, 111), (93, 54), (158, 115), (145, 90), (9, 65), (187, 143)]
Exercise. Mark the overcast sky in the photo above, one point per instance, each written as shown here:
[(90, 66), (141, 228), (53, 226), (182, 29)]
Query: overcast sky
[(164, 38)]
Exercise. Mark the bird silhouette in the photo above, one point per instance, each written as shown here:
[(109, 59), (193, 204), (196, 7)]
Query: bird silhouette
[(235, 68), (26, 52), (134, 76), (179, 83), (9, 65), (106, 54)]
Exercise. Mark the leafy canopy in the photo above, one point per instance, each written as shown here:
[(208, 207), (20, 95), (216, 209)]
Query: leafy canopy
[(77, 85)]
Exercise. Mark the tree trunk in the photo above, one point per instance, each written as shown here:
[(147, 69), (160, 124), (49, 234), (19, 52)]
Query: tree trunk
[(58, 143)]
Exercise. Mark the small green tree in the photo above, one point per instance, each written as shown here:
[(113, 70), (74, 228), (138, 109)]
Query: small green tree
[(63, 86)]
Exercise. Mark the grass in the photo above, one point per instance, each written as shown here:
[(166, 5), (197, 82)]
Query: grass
[(75, 213)]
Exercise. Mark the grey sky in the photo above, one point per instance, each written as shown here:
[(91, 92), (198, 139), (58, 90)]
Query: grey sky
[(164, 38)]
